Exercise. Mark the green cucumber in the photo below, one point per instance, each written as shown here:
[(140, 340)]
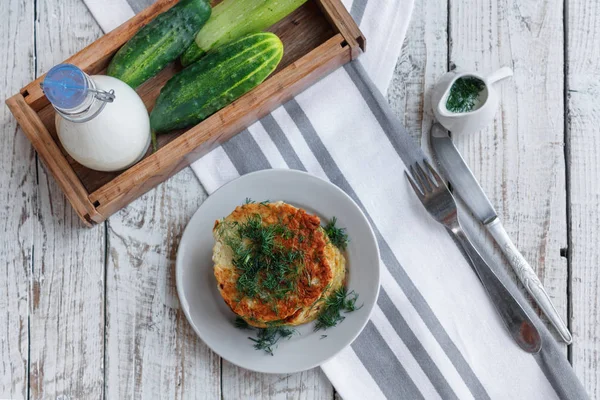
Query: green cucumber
[(232, 19), (218, 79), (160, 42)]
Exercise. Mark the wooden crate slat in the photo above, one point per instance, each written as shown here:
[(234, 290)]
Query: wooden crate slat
[(338, 16)]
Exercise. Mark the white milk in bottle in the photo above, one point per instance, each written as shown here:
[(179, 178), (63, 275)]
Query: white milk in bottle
[(101, 122)]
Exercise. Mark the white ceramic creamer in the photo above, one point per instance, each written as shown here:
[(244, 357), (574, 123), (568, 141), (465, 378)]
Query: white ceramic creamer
[(101, 122), (486, 105)]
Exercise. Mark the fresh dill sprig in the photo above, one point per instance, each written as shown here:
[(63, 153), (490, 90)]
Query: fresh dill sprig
[(340, 301), (241, 323), (337, 236), (463, 94), (266, 338), (250, 201)]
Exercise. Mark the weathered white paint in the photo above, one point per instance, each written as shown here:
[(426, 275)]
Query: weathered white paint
[(67, 288), (527, 134), (519, 159), (422, 61), (17, 191), (240, 384), (151, 350), (584, 169), (55, 271)]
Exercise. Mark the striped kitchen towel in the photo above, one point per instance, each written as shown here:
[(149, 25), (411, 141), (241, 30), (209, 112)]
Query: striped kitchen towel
[(434, 333)]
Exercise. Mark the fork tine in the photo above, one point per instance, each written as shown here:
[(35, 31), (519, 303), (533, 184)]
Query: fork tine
[(437, 178), (418, 180), (423, 178), (414, 186)]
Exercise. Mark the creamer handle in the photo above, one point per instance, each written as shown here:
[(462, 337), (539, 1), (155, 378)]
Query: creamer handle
[(498, 75)]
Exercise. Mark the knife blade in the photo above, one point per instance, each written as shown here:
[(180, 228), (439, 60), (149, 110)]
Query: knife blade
[(453, 168)]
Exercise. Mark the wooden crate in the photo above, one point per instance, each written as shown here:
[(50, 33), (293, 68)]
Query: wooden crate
[(318, 37)]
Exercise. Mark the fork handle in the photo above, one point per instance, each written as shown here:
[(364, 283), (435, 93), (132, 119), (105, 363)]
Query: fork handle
[(529, 278), (513, 315)]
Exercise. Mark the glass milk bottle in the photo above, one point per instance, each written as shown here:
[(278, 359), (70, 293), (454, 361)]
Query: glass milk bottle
[(101, 122)]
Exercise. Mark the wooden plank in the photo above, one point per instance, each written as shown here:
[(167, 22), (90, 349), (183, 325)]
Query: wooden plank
[(239, 384), (422, 61), (152, 351), (17, 191), (583, 47), (67, 320), (519, 159), (54, 160)]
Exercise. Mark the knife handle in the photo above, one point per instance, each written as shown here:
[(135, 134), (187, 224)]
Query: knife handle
[(529, 278)]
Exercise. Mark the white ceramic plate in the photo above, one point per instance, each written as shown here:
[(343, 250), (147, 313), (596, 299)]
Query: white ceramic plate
[(213, 320)]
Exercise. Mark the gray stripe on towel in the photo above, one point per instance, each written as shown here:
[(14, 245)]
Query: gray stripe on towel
[(245, 154), (414, 346), (384, 367), (281, 142), (416, 298), (358, 10), (396, 133), (139, 5)]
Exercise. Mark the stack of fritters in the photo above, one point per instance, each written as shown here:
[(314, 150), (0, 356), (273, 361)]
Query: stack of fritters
[(264, 290)]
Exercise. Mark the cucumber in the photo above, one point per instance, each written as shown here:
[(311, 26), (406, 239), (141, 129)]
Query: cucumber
[(218, 79), (232, 19), (160, 42)]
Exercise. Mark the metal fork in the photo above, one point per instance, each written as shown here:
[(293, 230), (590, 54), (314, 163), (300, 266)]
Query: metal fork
[(440, 204)]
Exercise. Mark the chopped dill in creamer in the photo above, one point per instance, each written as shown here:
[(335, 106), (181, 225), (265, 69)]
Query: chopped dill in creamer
[(464, 95)]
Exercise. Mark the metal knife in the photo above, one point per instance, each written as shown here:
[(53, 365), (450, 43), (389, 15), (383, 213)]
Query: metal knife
[(454, 168)]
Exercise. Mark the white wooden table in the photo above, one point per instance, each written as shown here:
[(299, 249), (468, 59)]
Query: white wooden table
[(93, 313)]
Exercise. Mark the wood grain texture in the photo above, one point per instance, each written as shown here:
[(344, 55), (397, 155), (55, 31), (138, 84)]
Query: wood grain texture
[(519, 159), (583, 33), (241, 384), (18, 194), (67, 289), (54, 268), (151, 350), (492, 154), (422, 61), (55, 162), (338, 16)]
